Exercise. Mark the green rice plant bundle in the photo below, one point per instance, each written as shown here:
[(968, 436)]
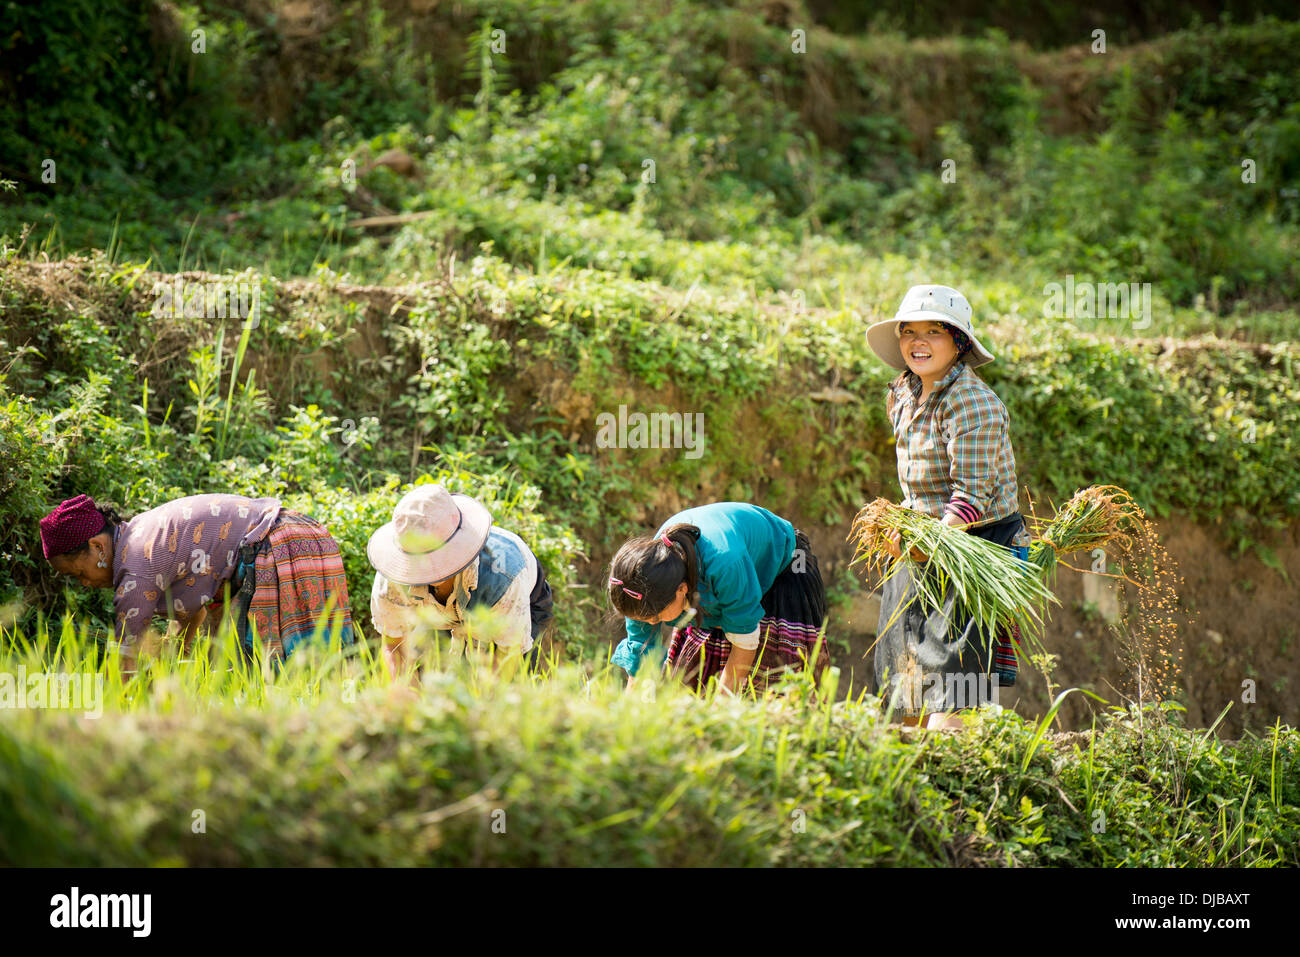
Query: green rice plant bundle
[(992, 585), (1093, 518)]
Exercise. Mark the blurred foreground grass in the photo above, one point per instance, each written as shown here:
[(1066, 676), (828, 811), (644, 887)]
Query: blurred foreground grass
[(326, 763)]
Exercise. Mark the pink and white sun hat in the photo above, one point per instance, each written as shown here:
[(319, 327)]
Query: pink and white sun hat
[(939, 303), (433, 536)]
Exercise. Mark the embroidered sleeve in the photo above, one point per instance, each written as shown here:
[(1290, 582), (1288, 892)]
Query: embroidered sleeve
[(963, 509)]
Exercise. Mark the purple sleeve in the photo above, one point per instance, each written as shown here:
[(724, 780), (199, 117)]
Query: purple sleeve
[(963, 509)]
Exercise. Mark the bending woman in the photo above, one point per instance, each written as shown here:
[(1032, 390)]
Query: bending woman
[(283, 568), (442, 566), (740, 587)]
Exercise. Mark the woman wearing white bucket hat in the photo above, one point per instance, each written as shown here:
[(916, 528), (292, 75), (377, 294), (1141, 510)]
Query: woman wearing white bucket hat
[(955, 463), (440, 564)]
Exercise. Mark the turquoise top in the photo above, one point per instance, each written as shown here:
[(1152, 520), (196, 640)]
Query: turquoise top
[(742, 548)]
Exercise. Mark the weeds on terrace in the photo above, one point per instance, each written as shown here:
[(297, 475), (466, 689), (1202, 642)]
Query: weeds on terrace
[(467, 766)]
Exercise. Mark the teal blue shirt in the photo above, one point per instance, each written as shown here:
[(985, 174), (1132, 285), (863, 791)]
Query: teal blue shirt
[(742, 548)]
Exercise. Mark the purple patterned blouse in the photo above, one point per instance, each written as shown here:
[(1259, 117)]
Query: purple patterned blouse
[(173, 559)]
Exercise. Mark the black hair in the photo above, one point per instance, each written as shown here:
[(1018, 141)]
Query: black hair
[(653, 570), (960, 339)]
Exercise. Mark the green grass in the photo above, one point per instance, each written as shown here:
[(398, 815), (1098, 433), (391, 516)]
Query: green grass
[(325, 764)]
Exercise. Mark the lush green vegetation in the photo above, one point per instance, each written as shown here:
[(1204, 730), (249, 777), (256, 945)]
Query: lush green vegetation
[(1124, 166), (498, 377), (464, 254)]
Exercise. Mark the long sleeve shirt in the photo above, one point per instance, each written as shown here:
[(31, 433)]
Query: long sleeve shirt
[(402, 611), (954, 450), (741, 550)]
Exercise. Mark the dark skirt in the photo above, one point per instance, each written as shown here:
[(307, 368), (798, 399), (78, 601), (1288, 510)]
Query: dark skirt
[(541, 610), (789, 633), (934, 659)]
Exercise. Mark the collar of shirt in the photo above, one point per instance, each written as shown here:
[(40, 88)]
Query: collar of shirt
[(466, 583), (456, 603), (458, 600), (914, 406), (914, 381)]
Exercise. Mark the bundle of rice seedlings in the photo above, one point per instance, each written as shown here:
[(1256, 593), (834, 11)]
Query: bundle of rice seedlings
[(999, 590), (1105, 516), (992, 585), (1092, 518)]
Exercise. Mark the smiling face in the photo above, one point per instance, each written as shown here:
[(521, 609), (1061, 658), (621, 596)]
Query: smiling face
[(84, 565), (927, 347)]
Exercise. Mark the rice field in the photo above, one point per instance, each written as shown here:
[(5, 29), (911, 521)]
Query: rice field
[(198, 760)]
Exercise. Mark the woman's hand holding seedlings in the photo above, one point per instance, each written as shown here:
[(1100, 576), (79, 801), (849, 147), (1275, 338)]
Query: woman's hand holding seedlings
[(894, 544)]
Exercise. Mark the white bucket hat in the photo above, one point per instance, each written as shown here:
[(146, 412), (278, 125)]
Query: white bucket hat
[(940, 303), (433, 536)]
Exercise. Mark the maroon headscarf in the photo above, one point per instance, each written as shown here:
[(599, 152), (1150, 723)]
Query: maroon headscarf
[(75, 522)]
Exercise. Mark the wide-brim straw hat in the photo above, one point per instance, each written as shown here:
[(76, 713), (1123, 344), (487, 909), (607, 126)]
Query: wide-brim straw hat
[(434, 535), (938, 303)]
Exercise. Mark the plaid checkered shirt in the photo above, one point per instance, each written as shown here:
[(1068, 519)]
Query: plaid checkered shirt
[(954, 450)]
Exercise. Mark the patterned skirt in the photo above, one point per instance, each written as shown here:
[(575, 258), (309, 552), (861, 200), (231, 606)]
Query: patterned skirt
[(793, 611), (297, 590)]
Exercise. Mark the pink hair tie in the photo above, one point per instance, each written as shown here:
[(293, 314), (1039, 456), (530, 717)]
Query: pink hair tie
[(666, 540), (627, 591)]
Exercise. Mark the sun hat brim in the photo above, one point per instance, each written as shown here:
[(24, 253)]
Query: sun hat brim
[(884, 341), (405, 568)]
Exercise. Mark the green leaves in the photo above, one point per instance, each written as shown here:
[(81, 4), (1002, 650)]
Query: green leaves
[(290, 771)]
